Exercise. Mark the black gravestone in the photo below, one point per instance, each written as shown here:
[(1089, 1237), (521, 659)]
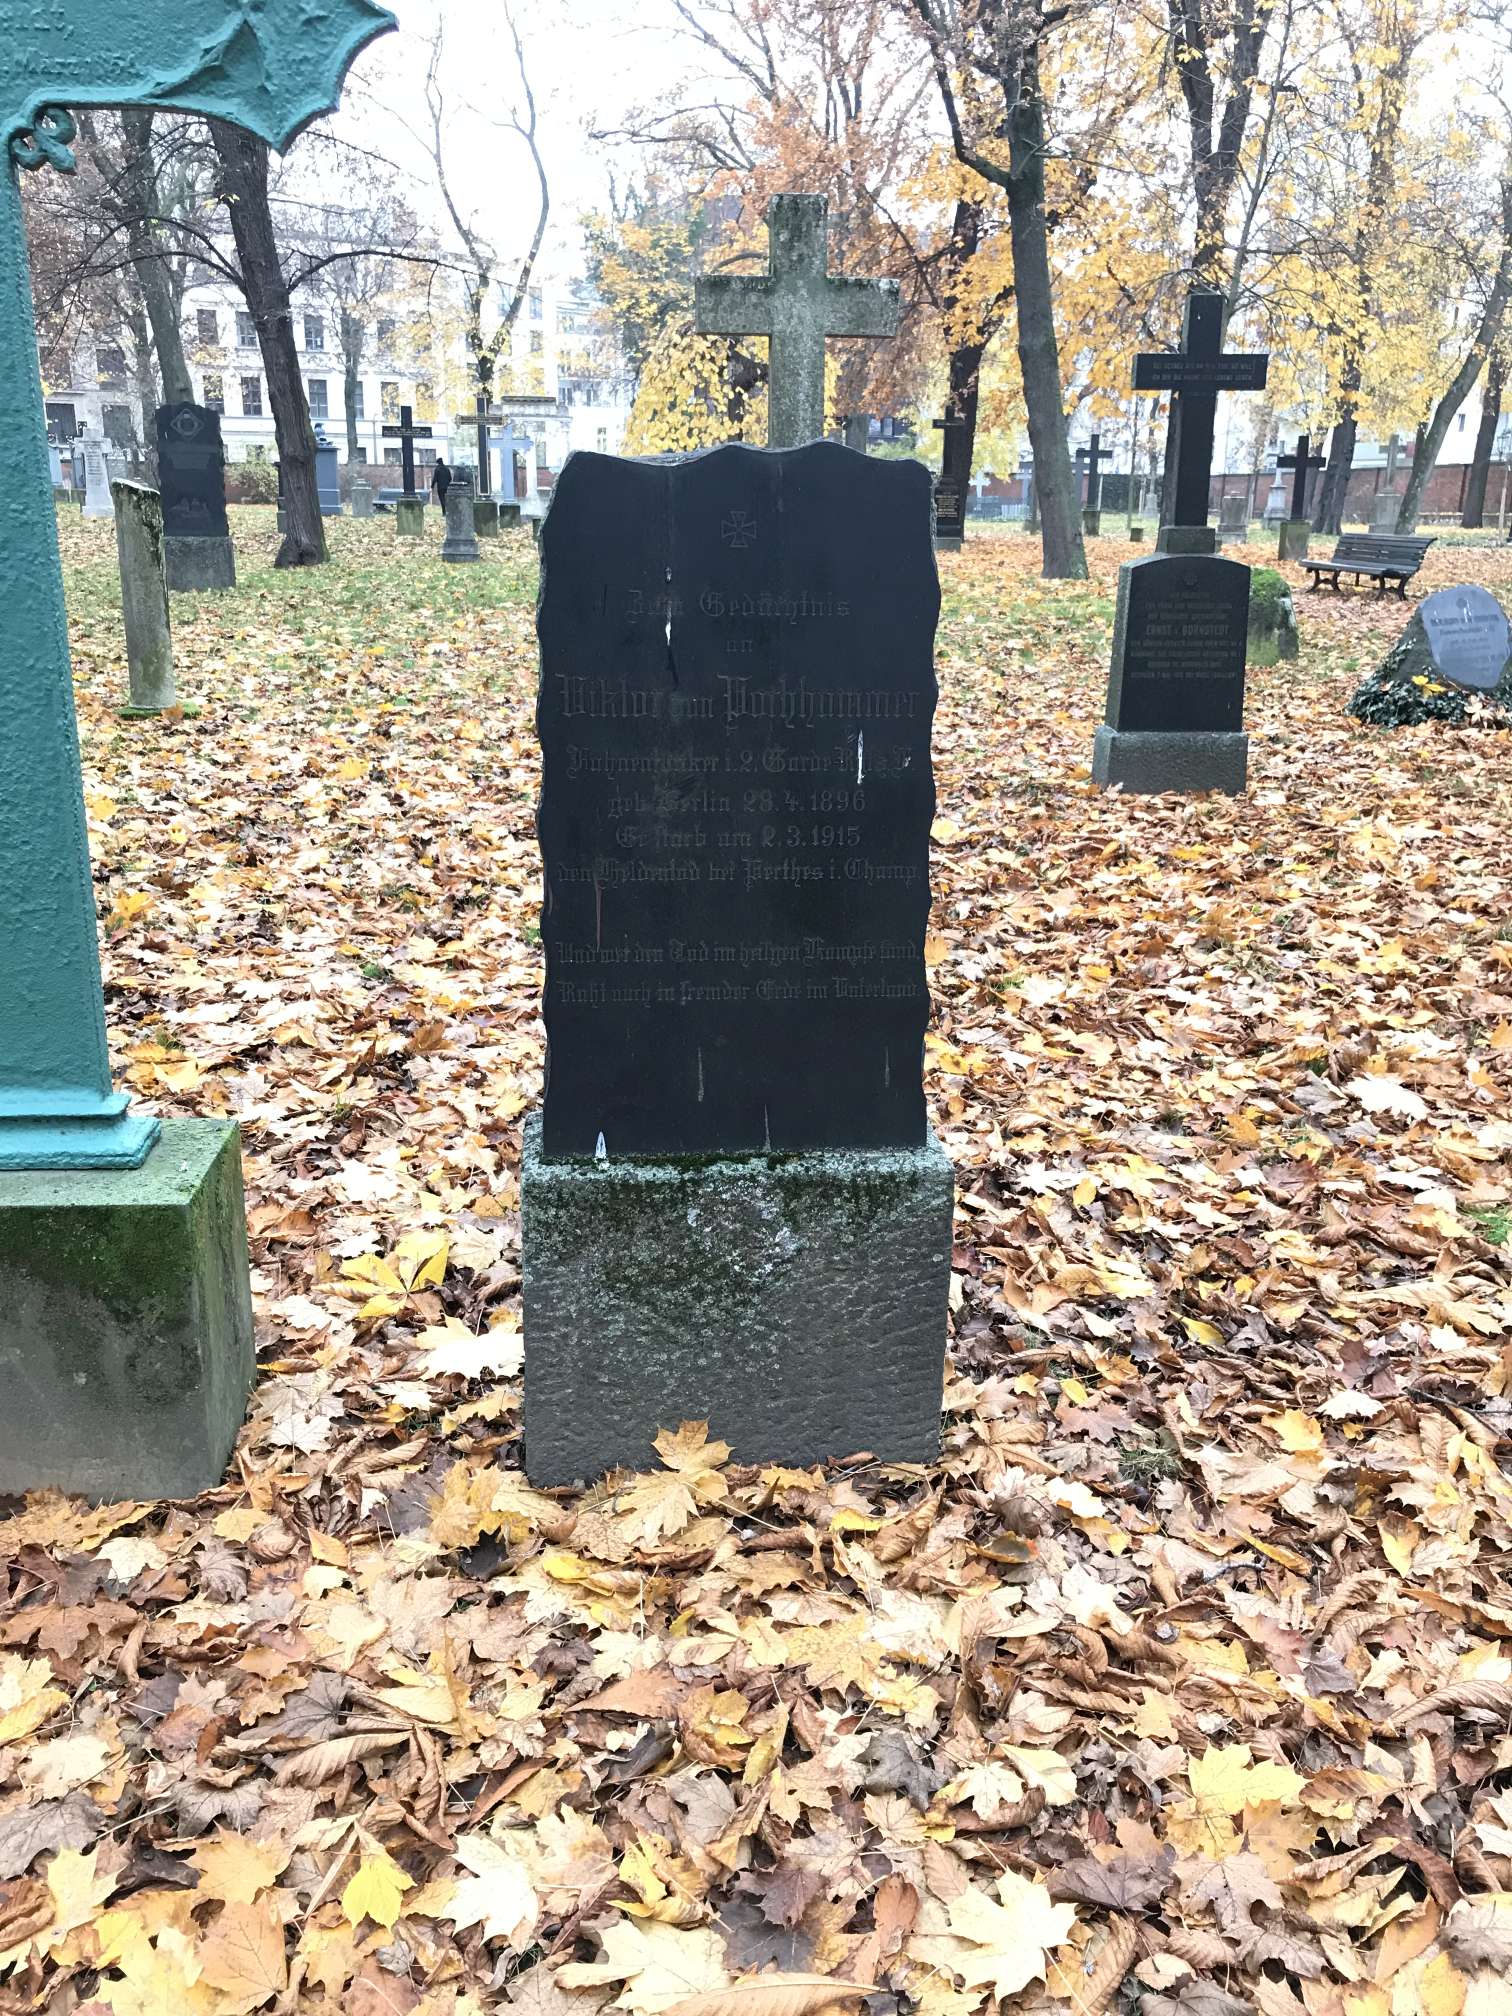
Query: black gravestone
[(1179, 640), (950, 510), (192, 473), (1468, 637), (737, 689)]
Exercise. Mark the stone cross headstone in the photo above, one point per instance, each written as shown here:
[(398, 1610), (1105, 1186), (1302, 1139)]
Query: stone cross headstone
[(461, 540), (125, 1310), (1386, 504), (796, 305), (950, 488), (1175, 707), (1296, 531), (97, 502), (144, 598), (192, 475), (409, 519), (733, 1209)]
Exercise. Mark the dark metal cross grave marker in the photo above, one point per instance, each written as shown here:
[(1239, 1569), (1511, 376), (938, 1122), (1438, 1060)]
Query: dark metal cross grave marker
[(1088, 463), (407, 434), (1195, 375), (1300, 462), (796, 305)]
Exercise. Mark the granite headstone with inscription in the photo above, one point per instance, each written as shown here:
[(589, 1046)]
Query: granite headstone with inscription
[(733, 1207), (1468, 638), (197, 549)]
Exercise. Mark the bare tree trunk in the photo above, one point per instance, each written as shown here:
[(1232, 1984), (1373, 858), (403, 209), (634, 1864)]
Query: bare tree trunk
[(352, 333), (146, 383), (244, 171), (1488, 330), (1333, 491), (1065, 557), (1474, 513), (965, 365), (137, 204)]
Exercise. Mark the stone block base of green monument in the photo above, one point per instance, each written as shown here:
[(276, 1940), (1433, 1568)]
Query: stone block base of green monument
[(409, 518), (199, 565), (1134, 761), (798, 1303), (126, 1352)]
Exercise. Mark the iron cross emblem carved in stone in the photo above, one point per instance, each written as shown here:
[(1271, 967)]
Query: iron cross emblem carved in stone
[(268, 65)]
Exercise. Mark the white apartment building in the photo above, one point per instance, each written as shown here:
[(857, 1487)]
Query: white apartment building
[(557, 348)]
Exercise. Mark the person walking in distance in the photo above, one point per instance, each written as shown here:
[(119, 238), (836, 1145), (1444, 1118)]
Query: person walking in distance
[(441, 478)]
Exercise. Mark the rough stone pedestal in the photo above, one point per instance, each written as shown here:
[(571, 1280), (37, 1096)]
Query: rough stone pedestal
[(486, 517), (1092, 524), (798, 1303), (126, 1352), (509, 513), (1383, 512), (1296, 536), (362, 499), (1148, 762), (144, 597), (409, 518), (461, 541), (199, 564)]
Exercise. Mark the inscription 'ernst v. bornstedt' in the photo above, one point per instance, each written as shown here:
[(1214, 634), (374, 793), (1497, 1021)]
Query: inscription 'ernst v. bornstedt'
[(737, 689)]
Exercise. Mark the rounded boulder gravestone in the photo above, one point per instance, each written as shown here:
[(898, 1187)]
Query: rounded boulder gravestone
[(1468, 637), (1452, 663)]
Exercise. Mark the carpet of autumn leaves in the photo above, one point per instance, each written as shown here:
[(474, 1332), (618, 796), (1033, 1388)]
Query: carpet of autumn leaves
[(1183, 1683)]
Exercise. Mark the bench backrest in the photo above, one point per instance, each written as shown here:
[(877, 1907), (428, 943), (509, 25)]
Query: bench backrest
[(1383, 548)]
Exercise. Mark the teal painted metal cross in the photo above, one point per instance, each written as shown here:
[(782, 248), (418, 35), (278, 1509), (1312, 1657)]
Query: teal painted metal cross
[(269, 65)]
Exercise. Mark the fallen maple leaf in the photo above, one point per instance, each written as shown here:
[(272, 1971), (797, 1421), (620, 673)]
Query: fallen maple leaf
[(497, 1894), (769, 1995), (376, 1891), (1011, 1933), (660, 1965)]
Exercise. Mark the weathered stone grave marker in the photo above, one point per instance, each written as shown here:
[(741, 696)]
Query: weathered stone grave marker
[(125, 1310), (732, 1206), (1175, 714), (96, 453), (361, 494), (796, 305), (461, 540), (1233, 519), (1452, 663), (197, 545), (1385, 505), (144, 598), (1296, 529)]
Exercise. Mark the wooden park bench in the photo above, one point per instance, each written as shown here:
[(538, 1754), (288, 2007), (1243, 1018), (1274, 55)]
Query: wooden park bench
[(1372, 556)]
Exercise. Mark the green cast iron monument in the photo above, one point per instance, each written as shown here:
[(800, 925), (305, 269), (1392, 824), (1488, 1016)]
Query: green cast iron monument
[(125, 1311)]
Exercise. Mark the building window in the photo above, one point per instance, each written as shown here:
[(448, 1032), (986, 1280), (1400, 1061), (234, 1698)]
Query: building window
[(319, 409), (111, 360), (62, 424), (393, 457), (314, 328), (535, 304), (603, 440), (209, 326), (424, 399), (251, 390), (537, 343), (215, 392), (246, 330), (388, 400), (358, 402), (385, 330)]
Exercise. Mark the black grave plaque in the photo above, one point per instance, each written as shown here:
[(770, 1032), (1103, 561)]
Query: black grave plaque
[(950, 513), (737, 688), (1179, 640), (1467, 633), (192, 473)]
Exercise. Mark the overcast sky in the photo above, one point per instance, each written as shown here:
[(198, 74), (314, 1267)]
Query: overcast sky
[(586, 67)]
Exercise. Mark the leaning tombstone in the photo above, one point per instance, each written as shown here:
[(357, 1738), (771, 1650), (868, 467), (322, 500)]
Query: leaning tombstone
[(1175, 709), (461, 541), (1233, 520), (362, 498), (192, 476), (126, 1350), (144, 599), (97, 502), (733, 1209), (1450, 664)]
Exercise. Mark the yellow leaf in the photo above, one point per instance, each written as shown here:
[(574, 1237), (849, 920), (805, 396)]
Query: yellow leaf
[(1227, 1780), (1200, 1332), (1399, 1541), (1085, 1192), (376, 1891), (1011, 1933), (660, 1965), (1297, 1432), (26, 1699), (235, 1869), (496, 1894), (420, 1259), (1441, 1987)]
